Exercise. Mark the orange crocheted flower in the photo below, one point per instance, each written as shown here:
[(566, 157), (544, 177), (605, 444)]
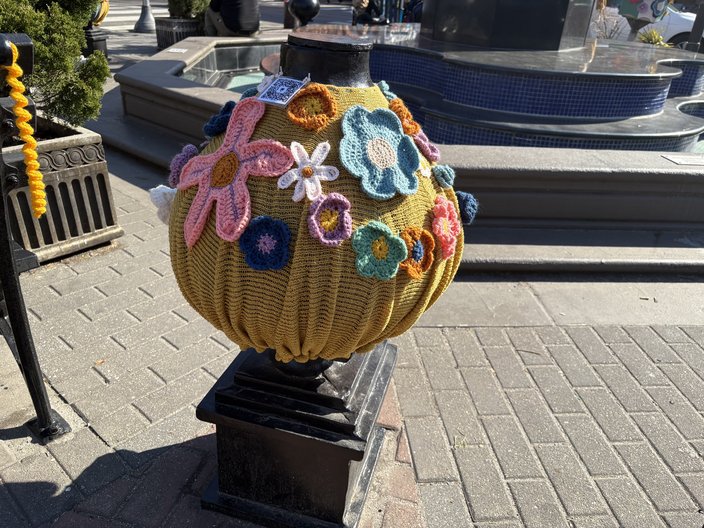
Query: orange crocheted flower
[(420, 245), (313, 107), (410, 127)]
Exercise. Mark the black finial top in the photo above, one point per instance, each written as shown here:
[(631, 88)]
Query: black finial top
[(304, 10)]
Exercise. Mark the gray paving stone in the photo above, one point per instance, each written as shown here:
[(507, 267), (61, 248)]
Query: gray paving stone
[(503, 524), (125, 362), (169, 302), (696, 333), (674, 449), (508, 368), (591, 346), (687, 420), (104, 306), (414, 394), (160, 287), (684, 520), (187, 312), (530, 349), (407, 351), (625, 388), (652, 344), (128, 265), (698, 447), (160, 488), (188, 513), (48, 310), (552, 335), (640, 365), (72, 519), (430, 450), (130, 281), (659, 484), (83, 281), (485, 391), (174, 396), (430, 338), (444, 504), (492, 337), (460, 418), (692, 354), (609, 415), (106, 501), (631, 508), (120, 425), (216, 367), (535, 416), (150, 329), (689, 384), (512, 450), (612, 334), (187, 360), (87, 460), (573, 485), (671, 334), (186, 335), (6, 457), (557, 392), (37, 480), (441, 368), (596, 453), (537, 504), (573, 365), (486, 491), (695, 486), (593, 522), (9, 514), (465, 347)]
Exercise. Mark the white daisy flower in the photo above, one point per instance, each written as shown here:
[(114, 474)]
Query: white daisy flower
[(309, 173)]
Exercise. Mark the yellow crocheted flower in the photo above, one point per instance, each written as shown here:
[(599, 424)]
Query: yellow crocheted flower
[(313, 107), (420, 246), (410, 127)]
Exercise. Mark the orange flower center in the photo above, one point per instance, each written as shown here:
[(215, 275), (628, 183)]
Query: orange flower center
[(224, 170), (307, 171)]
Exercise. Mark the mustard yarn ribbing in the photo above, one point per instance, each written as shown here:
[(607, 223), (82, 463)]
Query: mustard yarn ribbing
[(318, 305), (29, 149)]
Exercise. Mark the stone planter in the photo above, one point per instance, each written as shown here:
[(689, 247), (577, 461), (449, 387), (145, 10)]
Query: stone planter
[(80, 211), (171, 30)]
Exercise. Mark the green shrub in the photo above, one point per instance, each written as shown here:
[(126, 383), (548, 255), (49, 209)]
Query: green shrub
[(651, 36), (64, 85), (187, 8)]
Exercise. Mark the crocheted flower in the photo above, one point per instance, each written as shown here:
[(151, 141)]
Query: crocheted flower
[(329, 219), (313, 107), (249, 92), (179, 162), (222, 176), (445, 175), (379, 251), (375, 150), (218, 123), (446, 225), (429, 150), (398, 107), (384, 87), (420, 246), (265, 243), (163, 198), (310, 172), (468, 206)]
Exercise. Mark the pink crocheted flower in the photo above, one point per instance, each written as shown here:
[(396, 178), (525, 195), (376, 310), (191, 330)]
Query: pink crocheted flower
[(329, 220), (429, 150), (222, 176), (446, 225)]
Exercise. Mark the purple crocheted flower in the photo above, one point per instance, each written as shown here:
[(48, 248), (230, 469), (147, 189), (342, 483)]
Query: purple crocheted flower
[(179, 162), (265, 243), (329, 220), (429, 150)]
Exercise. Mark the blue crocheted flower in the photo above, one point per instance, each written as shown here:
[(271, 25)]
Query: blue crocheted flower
[(375, 150), (218, 123), (468, 206), (379, 251), (444, 175), (384, 87), (265, 243)]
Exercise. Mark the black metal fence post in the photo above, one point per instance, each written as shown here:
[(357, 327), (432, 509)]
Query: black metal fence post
[(15, 326)]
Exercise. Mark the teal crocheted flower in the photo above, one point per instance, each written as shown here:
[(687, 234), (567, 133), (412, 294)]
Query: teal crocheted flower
[(384, 87), (444, 175), (375, 150), (379, 251)]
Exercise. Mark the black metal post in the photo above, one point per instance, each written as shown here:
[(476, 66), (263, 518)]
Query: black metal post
[(48, 423)]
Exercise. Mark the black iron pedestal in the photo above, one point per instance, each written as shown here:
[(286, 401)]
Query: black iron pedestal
[(295, 448)]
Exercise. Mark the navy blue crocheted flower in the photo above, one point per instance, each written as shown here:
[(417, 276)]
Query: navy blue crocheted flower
[(468, 206), (375, 150), (444, 175), (265, 243), (249, 92), (218, 123)]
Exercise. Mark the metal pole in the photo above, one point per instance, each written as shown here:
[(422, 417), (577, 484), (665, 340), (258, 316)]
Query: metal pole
[(695, 37), (145, 24)]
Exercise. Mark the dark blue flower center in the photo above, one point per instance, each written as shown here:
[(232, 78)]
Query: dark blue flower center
[(417, 251)]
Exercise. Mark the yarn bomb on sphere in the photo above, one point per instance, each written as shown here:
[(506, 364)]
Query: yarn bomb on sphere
[(315, 230)]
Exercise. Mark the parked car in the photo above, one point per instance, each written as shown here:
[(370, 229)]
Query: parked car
[(674, 27)]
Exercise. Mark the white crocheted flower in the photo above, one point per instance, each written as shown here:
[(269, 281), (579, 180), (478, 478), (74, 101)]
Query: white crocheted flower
[(309, 173), (163, 198)]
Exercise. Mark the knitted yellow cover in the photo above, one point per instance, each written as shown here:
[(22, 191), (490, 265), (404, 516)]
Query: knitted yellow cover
[(334, 236)]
